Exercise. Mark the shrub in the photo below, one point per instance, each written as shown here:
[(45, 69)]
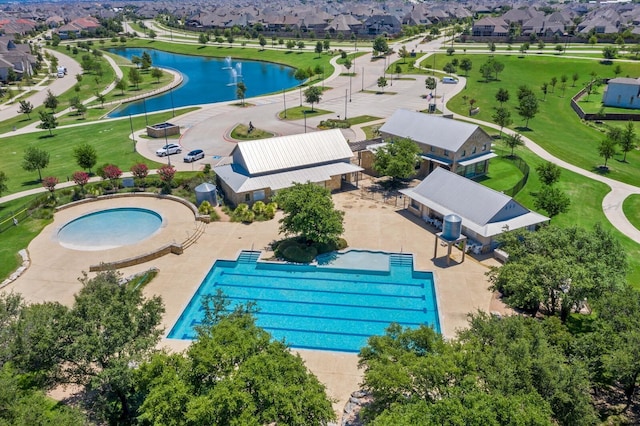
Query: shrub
[(242, 213), (259, 208), (300, 253), (205, 207)]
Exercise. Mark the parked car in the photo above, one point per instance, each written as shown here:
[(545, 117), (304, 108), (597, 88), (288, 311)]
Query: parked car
[(449, 80), (169, 149), (194, 155)]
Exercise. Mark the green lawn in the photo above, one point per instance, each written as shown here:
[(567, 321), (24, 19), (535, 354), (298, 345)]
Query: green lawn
[(110, 139), (556, 127), (503, 174), (631, 208), (298, 113)]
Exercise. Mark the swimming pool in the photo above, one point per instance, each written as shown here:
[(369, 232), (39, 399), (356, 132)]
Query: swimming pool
[(110, 228), (319, 307)]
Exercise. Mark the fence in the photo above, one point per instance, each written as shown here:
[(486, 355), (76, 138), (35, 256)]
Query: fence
[(524, 168), (21, 212), (598, 116)]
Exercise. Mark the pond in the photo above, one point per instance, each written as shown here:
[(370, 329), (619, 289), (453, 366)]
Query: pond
[(206, 80)]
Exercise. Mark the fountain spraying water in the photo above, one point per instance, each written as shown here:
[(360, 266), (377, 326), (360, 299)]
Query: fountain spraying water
[(239, 69), (234, 78), (227, 63)]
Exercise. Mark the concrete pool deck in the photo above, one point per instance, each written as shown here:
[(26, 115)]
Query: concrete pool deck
[(369, 224)]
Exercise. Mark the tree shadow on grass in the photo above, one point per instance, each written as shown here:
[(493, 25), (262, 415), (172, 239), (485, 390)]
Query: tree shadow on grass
[(601, 170), (524, 129), (30, 182), (47, 136)]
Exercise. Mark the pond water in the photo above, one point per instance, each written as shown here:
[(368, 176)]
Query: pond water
[(206, 80)]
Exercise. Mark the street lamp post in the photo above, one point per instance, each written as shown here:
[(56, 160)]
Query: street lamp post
[(132, 135), (345, 103), (305, 120), (301, 95), (284, 100), (362, 90), (350, 78)]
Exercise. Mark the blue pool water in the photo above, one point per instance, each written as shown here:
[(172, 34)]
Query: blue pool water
[(206, 80), (319, 307), (109, 228)]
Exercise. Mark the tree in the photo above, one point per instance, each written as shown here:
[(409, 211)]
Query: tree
[(51, 101), (545, 88), (309, 212), (513, 141), (380, 45), (112, 173), (617, 70), (382, 83), (300, 74), (627, 140), (135, 77), (300, 45), (528, 108), (466, 65), (3, 182), (26, 107), (502, 117), (609, 52), (318, 48), (563, 80), (121, 84), (291, 44), (574, 78), (241, 90), (48, 121), (139, 170), (492, 46), (397, 159), (524, 47), (203, 39), (262, 41), (498, 66), (326, 43), (487, 71), (502, 95), (35, 159), (136, 60), (403, 53), (86, 156), (450, 50), (80, 178), (558, 268), (398, 71), (449, 68), (347, 64), (100, 98), (607, 149), (157, 73), (233, 373), (166, 174), (50, 183), (552, 200), (548, 173), (431, 83), (152, 34), (312, 95), (554, 81)]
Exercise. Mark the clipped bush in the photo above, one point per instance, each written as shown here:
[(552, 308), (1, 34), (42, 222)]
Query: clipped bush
[(300, 253), (205, 207), (259, 208), (270, 210), (243, 213)]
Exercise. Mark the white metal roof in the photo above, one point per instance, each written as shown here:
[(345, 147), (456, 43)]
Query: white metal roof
[(479, 158), (482, 209), (240, 182), (432, 130), (293, 151)]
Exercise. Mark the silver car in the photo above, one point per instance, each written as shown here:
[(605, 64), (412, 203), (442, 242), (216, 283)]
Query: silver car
[(194, 155), (169, 149)]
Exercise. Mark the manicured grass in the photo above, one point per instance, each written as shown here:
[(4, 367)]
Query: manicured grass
[(241, 132), (503, 174), (361, 119), (556, 127), (631, 208), (293, 58), (297, 113), (110, 139), (594, 105), (371, 131)]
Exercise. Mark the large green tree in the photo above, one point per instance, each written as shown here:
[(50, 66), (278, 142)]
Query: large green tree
[(86, 156), (26, 107), (233, 374), (559, 268), (51, 101), (3, 182), (309, 212), (48, 121), (397, 159), (552, 200), (380, 45), (502, 117), (312, 95), (528, 108), (548, 172), (627, 140), (35, 159)]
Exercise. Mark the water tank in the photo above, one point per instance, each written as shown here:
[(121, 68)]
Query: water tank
[(206, 192), (451, 227)]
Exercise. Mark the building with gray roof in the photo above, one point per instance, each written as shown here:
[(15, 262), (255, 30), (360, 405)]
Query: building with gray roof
[(622, 92), (259, 168), (485, 213), (462, 148)]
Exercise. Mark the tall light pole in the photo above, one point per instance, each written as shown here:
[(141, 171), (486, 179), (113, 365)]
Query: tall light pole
[(284, 100), (305, 120), (132, 135), (301, 95), (166, 142), (345, 103), (362, 90), (350, 78)]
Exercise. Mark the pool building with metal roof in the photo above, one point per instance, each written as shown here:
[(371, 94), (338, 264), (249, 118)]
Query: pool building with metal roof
[(459, 147), (261, 167), (485, 213)]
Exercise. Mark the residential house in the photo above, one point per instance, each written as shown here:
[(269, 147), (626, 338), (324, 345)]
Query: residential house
[(485, 213), (622, 92), (462, 148), (260, 168), (78, 26), (382, 24), (16, 57), (490, 27)]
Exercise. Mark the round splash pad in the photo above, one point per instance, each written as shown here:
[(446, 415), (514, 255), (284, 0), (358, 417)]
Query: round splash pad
[(110, 228)]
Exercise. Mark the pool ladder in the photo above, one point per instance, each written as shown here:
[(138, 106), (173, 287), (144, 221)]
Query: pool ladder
[(248, 256), (398, 259)]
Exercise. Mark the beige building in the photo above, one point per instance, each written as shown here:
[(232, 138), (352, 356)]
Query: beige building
[(260, 168), (462, 148)]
